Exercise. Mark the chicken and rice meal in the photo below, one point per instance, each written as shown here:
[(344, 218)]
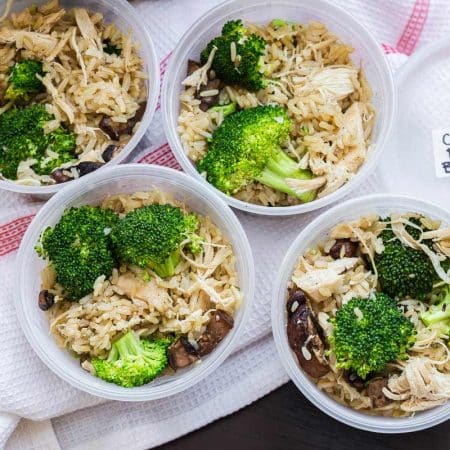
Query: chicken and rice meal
[(138, 286), (276, 115), (72, 93), (368, 314)]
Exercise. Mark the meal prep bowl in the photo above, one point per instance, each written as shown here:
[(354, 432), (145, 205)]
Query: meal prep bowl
[(315, 232), (367, 51), (114, 180), (125, 17)]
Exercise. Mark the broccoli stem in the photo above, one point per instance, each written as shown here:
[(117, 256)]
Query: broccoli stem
[(126, 345), (113, 354), (167, 269), (280, 167), (226, 110), (440, 312), (432, 317)]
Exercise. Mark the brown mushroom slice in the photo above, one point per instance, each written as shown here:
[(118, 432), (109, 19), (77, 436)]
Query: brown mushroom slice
[(207, 101), (85, 167), (354, 380), (305, 336), (181, 354), (192, 66), (116, 129), (375, 392), (218, 327), (61, 176), (344, 248)]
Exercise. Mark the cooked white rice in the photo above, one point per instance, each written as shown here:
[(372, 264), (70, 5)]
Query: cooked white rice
[(83, 83), (137, 299), (419, 383), (327, 97)]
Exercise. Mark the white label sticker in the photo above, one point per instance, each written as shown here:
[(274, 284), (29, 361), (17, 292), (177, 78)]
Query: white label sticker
[(441, 149)]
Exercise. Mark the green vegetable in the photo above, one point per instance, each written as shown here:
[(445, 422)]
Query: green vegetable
[(151, 236), (404, 271), (79, 248), (22, 136), (247, 70), (132, 361), (369, 333), (439, 312), (226, 110), (23, 83), (110, 48), (246, 147)]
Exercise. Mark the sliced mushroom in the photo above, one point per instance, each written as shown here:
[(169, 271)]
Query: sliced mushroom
[(375, 392), (344, 248), (116, 129), (85, 167), (60, 176), (46, 300), (305, 335), (218, 327), (192, 66), (354, 380), (109, 152), (209, 100), (181, 354)]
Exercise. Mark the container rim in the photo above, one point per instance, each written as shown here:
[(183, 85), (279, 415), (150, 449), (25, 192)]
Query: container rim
[(190, 377), (181, 54), (150, 59), (319, 398)]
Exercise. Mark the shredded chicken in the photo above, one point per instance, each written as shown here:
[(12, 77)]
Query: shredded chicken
[(335, 83), (302, 186), (321, 283), (133, 298), (83, 83), (312, 76), (422, 381), (420, 385), (200, 76), (351, 135)]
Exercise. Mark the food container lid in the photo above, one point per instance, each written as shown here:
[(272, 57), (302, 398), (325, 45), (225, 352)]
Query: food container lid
[(417, 157)]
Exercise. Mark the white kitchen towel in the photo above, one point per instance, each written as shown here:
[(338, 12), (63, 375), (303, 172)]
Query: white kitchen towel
[(29, 390)]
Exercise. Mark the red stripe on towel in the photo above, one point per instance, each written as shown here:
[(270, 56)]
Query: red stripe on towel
[(413, 28), (162, 70), (12, 233), (388, 49), (162, 156)]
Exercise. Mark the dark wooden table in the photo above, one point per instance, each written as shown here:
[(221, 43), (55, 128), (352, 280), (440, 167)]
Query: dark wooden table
[(285, 420)]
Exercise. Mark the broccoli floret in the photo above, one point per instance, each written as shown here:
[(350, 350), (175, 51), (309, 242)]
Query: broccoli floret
[(246, 148), (247, 68), (439, 312), (132, 361), (369, 333), (150, 237), (79, 248), (23, 83), (226, 110), (110, 48), (404, 271), (22, 136)]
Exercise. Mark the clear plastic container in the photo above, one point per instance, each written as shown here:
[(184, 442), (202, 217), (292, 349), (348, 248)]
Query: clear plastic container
[(367, 51), (315, 232), (423, 87), (114, 180), (125, 17)]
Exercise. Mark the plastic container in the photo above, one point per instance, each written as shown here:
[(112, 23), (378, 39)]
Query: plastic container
[(423, 87), (367, 51), (114, 180), (125, 17), (315, 232)]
